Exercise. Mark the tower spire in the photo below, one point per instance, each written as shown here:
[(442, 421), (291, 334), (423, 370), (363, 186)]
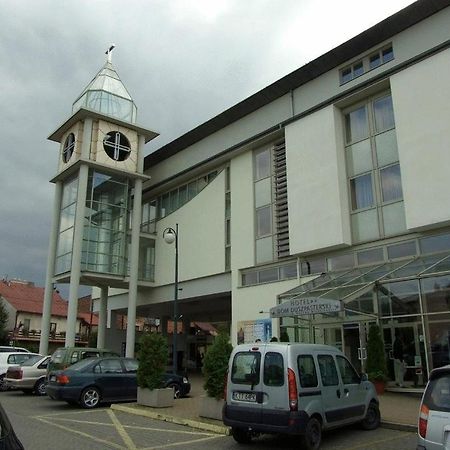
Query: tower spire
[(108, 52)]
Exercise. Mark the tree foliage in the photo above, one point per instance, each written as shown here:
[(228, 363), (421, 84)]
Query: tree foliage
[(3, 324), (376, 359), (153, 355), (215, 365)]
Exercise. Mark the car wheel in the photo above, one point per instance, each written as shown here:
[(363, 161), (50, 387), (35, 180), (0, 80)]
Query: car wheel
[(372, 419), (176, 390), (90, 397), (313, 435), (40, 387), (241, 436)]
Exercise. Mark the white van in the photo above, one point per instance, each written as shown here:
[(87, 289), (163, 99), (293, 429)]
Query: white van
[(434, 416), (298, 389)]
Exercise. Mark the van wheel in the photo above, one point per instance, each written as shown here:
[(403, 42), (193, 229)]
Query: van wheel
[(240, 435), (313, 435), (372, 419)]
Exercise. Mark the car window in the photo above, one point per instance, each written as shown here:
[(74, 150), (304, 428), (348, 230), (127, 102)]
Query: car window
[(328, 372), (307, 371), (32, 360), (348, 373), (58, 356), (273, 369), (74, 358), (108, 366), (131, 365), (18, 358), (44, 364), (245, 368), (89, 354), (437, 395)]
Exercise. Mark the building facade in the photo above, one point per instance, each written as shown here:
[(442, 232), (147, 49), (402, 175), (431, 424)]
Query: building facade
[(328, 185)]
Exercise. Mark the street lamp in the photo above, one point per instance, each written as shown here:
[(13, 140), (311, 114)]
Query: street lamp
[(170, 236)]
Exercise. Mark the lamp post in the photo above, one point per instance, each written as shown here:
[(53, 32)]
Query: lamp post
[(170, 236)]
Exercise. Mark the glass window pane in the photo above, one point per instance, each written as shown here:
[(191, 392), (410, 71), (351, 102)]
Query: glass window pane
[(370, 256), (263, 221), (391, 183), (262, 164), (399, 298), (365, 225), (384, 113), (288, 271), (307, 371), (341, 262), (346, 75), (182, 195), (328, 371), (263, 194), (192, 189), (358, 69), (386, 144), (356, 126), (374, 61), (268, 275), (402, 250), (434, 244), (394, 218), (361, 192), (313, 266), (273, 369), (388, 54), (202, 182), (359, 157), (436, 291), (174, 200), (264, 250), (249, 278)]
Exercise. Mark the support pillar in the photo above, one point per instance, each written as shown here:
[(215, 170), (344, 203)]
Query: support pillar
[(102, 317)]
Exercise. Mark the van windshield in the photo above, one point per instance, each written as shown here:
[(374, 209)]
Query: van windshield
[(246, 368)]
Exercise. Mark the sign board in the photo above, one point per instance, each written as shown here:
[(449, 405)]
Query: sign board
[(306, 306)]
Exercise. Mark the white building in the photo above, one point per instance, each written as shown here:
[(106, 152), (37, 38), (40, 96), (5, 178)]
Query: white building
[(336, 173)]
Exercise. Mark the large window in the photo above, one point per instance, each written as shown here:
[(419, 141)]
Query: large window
[(373, 169)]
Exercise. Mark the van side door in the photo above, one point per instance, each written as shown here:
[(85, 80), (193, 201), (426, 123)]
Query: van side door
[(355, 392)]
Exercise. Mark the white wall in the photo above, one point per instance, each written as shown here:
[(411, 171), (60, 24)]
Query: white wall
[(421, 96), (317, 186), (201, 242)]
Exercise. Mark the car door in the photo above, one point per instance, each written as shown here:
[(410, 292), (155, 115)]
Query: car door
[(331, 388), (109, 376), (354, 392)]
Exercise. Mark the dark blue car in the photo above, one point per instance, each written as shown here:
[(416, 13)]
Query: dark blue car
[(109, 379)]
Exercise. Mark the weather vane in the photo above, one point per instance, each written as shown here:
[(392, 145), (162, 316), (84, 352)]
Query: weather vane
[(108, 52)]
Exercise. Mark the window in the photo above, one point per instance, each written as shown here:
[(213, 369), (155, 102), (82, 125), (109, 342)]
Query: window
[(328, 372), (131, 365), (348, 373), (373, 170), (117, 146), (351, 72), (246, 368), (69, 146), (110, 366), (307, 371), (273, 369)]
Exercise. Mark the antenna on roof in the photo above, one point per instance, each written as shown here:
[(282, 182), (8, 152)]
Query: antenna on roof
[(108, 52)]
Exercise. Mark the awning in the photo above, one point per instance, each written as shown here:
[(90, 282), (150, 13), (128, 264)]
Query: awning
[(348, 285)]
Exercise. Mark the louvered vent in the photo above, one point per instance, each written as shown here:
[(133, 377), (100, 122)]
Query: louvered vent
[(281, 200)]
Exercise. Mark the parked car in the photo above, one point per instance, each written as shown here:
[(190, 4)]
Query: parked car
[(28, 377), (66, 356), (9, 349), (434, 414), (9, 359), (295, 389), (107, 379)]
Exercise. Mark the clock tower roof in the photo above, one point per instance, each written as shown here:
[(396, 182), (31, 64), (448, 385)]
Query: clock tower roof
[(107, 94)]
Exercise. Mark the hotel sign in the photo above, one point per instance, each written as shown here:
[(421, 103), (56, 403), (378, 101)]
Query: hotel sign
[(305, 306)]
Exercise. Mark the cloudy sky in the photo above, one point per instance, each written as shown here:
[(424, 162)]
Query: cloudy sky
[(183, 62)]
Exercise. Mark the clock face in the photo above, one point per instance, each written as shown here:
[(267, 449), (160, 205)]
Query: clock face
[(69, 146), (117, 146)]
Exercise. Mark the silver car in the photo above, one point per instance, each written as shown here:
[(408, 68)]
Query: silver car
[(434, 414), (29, 376)]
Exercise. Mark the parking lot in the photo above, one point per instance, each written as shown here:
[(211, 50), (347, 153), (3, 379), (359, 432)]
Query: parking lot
[(42, 423)]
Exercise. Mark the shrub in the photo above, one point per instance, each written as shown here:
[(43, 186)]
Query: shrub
[(376, 360), (153, 355), (215, 365)]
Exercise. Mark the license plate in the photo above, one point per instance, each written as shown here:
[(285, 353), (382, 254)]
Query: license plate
[(52, 377), (245, 396)]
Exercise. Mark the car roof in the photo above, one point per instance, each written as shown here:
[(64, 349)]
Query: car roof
[(439, 371)]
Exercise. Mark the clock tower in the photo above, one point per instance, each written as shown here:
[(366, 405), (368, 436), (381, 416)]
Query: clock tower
[(98, 194)]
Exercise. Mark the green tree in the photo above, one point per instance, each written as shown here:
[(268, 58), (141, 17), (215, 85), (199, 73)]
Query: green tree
[(376, 359), (3, 324), (153, 356), (215, 365)]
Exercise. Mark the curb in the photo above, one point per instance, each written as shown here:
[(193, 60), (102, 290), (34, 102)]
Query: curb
[(399, 426), (218, 429)]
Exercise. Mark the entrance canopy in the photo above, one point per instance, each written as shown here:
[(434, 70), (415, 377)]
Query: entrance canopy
[(347, 285)]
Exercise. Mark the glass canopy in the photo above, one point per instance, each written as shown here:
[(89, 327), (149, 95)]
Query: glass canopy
[(348, 285), (107, 95)]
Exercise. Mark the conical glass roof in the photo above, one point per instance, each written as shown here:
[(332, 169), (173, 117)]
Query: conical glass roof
[(107, 95)]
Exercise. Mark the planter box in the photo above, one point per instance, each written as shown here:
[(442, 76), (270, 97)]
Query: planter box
[(156, 398), (211, 408)]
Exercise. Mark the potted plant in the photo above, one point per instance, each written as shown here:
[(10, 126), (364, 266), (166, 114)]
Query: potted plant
[(215, 366), (153, 355), (376, 360)]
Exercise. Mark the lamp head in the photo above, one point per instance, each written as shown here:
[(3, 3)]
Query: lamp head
[(169, 237)]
